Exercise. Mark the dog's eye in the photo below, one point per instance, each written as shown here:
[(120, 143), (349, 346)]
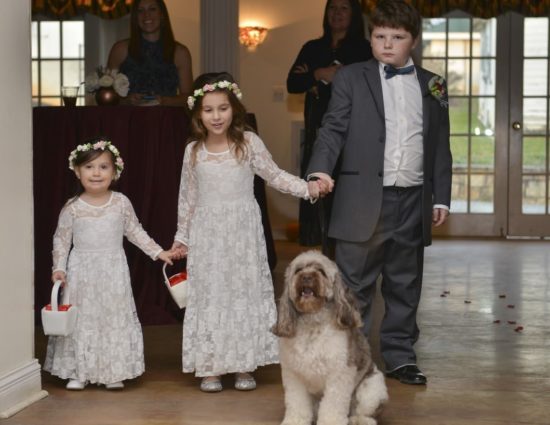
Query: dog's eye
[(298, 269), (322, 271)]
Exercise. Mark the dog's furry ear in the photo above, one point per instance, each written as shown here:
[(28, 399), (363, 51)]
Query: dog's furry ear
[(287, 316), (347, 315)]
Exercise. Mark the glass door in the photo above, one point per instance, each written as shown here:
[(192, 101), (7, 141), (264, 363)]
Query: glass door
[(529, 211)]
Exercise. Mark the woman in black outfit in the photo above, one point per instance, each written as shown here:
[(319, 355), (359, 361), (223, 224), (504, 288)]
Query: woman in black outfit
[(342, 43)]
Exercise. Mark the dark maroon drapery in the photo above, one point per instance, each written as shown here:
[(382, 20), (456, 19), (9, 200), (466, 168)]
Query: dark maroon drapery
[(152, 142), (66, 9)]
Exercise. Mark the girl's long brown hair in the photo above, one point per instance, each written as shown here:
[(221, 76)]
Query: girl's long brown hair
[(235, 132), (166, 33)]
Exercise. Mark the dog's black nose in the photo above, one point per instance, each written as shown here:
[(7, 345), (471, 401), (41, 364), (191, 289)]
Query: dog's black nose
[(306, 278)]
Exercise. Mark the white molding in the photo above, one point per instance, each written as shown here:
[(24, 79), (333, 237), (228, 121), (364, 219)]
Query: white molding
[(20, 388)]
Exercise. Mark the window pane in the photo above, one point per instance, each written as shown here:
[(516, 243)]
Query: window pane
[(73, 39), (459, 150), (483, 116), (459, 196), (483, 76), (458, 114), (458, 78), (34, 40), (459, 37), (433, 37), (49, 39), (482, 192), (35, 78), (534, 116), (73, 72), (535, 40), (484, 37), (534, 155), (535, 74), (50, 78), (533, 195), (483, 154), (437, 66), (51, 101)]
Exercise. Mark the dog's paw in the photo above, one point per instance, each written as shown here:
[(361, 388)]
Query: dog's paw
[(361, 420)]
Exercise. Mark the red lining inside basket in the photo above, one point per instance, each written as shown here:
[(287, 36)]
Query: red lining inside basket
[(62, 307), (177, 278)]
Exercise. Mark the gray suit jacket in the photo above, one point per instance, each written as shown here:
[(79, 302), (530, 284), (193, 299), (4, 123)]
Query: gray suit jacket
[(354, 127)]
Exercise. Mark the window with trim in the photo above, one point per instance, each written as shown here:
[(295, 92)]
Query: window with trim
[(57, 60)]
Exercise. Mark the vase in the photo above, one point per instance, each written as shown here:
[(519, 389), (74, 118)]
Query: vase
[(107, 96)]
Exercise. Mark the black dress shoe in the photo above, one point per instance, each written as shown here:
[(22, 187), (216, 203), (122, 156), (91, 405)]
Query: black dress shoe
[(409, 374)]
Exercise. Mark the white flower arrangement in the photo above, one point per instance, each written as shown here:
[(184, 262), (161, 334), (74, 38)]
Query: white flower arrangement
[(103, 77), (99, 145), (233, 87)]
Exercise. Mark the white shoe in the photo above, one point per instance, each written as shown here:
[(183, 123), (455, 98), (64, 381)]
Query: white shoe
[(115, 385), (75, 385)]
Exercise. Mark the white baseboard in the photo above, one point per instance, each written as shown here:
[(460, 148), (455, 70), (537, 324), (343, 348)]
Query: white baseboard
[(20, 388)]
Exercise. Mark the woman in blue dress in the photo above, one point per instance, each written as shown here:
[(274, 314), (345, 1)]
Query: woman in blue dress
[(157, 66)]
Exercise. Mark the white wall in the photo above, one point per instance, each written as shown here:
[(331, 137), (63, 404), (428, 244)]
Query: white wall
[(263, 72), (19, 371)]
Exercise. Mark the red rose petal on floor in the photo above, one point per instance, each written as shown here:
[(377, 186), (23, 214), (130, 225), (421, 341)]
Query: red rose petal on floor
[(496, 321), (512, 322), (519, 329), (511, 306), (467, 302), (502, 296), (443, 295), (447, 292)]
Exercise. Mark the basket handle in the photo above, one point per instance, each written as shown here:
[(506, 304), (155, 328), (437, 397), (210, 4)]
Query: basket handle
[(55, 294), (166, 281)]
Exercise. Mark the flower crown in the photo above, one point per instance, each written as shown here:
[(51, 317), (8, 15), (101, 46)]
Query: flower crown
[(224, 84), (99, 145)]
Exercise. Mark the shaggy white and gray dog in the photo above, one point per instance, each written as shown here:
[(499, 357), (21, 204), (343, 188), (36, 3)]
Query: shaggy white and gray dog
[(328, 374)]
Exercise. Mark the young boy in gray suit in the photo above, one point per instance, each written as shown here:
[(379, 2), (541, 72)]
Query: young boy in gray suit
[(389, 121)]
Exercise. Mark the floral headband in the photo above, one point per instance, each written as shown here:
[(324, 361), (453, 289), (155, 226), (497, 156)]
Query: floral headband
[(211, 87), (100, 145)]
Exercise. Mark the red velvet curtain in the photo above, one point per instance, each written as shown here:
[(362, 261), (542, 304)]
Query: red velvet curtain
[(64, 9), (478, 8)]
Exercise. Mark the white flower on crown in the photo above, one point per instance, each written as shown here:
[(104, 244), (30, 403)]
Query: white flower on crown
[(224, 84)]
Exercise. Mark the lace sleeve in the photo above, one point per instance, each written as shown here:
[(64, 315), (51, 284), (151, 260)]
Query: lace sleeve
[(187, 197), (62, 239), (135, 233), (265, 167)]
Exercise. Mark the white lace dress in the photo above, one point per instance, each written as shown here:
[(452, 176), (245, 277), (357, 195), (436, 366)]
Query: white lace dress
[(107, 344), (231, 305)]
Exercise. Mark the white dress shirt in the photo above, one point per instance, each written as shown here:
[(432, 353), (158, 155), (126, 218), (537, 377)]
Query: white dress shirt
[(403, 154)]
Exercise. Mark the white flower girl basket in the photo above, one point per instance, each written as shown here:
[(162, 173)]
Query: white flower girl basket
[(177, 285), (58, 320)]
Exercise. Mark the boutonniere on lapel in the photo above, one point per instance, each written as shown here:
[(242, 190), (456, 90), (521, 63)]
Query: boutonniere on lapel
[(436, 85)]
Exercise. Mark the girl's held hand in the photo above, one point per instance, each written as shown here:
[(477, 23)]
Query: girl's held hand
[(178, 251), (59, 275), (166, 256), (313, 189)]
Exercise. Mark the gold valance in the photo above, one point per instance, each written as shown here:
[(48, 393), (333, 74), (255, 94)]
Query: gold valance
[(478, 8), (63, 9)]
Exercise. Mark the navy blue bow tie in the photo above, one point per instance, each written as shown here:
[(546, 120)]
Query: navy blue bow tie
[(392, 71)]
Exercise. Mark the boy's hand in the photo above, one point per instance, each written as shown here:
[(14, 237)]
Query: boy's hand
[(178, 251), (166, 256), (326, 183), (439, 216), (59, 275)]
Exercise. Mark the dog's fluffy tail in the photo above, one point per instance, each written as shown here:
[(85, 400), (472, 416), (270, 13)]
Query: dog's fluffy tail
[(371, 395)]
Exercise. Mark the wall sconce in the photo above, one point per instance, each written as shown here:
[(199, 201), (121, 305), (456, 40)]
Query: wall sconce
[(252, 36)]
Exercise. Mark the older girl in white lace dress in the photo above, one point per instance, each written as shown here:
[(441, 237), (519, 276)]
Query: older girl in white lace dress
[(231, 305), (106, 346)]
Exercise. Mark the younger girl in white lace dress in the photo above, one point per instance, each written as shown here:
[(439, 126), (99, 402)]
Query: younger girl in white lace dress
[(106, 346), (231, 305)]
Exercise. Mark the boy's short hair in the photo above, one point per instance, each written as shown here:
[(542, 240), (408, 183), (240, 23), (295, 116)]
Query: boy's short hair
[(395, 14)]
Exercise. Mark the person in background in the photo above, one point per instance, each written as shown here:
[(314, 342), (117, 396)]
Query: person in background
[(157, 66), (389, 120), (343, 42)]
